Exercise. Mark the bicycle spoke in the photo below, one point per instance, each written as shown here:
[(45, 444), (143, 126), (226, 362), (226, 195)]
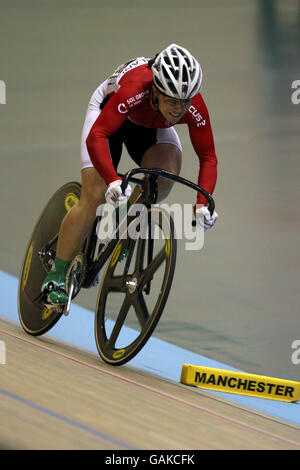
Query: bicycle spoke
[(119, 323), (152, 267), (141, 309)]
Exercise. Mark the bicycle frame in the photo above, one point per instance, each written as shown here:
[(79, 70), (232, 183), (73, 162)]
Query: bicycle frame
[(94, 266), (147, 197)]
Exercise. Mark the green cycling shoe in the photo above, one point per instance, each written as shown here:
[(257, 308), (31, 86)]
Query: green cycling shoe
[(54, 284)]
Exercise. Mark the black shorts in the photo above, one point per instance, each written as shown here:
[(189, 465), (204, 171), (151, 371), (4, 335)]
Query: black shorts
[(137, 139)]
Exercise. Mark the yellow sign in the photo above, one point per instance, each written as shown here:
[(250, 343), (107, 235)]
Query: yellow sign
[(240, 383), (27, 266), (70, 200)]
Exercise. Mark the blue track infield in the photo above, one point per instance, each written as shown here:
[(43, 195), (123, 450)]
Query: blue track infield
[(157, 357)]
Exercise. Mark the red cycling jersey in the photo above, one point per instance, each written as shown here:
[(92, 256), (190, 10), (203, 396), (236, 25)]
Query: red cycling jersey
[(131, 98)]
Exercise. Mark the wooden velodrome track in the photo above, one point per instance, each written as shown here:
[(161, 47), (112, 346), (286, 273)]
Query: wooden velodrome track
[(56, 396), (53, 55)]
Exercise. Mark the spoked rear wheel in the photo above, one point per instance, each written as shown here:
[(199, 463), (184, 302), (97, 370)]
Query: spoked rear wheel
[(134, 291), (35, 318)]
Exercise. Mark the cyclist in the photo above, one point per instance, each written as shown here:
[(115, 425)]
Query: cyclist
[(138, 105)]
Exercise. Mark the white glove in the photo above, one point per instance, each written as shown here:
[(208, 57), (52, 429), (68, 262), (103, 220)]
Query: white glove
[(204, 220), (114, 194)]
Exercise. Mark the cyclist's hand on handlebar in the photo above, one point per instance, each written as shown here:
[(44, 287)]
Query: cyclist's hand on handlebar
[(114, 193), (204, 220)]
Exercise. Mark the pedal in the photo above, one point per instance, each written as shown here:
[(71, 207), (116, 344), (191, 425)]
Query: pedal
[(43, 298), (53, 308)]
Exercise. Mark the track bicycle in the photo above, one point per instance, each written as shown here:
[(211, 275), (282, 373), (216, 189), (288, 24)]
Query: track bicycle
[(139, 256)]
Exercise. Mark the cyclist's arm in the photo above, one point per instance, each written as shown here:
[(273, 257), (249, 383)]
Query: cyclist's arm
[(203, 143), (109, 121)]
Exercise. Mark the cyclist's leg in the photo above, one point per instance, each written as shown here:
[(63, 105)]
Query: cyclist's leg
[(155, 148), (78, 220), (167, 157), (73, 231)]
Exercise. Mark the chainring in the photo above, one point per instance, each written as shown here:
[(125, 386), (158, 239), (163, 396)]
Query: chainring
[(77, 270)]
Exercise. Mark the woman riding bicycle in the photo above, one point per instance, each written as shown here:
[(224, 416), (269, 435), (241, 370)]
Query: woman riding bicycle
[(138, 105)]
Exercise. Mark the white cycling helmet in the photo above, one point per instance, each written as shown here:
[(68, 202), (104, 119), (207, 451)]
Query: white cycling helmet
[(177, 73)]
